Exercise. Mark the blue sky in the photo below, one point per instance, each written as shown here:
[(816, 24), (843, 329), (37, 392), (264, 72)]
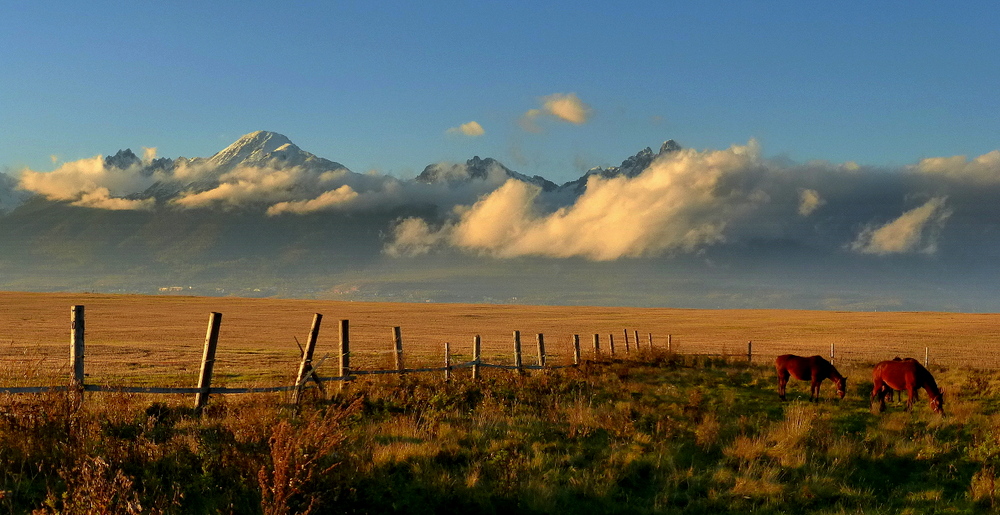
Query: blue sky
[(377, 86)]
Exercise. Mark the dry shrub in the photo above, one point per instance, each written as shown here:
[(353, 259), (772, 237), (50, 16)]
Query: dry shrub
[(707, 431), (92, 488), (984, 486), (785, 441), (298, 453), (758, 480)]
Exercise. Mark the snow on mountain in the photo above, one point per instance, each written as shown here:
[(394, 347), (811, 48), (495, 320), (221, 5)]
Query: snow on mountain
[(630, 167), (477, 169), (268, 149)]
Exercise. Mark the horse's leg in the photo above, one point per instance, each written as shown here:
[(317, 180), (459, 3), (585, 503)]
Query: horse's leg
[(911, 396), (814, 389), (782, 381), (878, 394)]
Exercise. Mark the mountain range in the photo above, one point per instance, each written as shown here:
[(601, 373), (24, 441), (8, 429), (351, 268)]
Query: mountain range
[(673, 227)]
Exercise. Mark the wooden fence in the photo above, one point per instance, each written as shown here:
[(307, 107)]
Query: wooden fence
[(308, 370)]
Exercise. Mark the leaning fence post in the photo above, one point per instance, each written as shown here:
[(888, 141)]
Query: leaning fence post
[(611, 345), (208, 361), (541, 350), (397, 342), (307, 355), (626, 342), (447, 362), (345, 353), (476, 356), (636, 342), (517, 353), (576, 350), (76, 346)]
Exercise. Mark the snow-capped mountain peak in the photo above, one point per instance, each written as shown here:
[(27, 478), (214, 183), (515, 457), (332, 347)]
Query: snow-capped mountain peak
[(253, 147)]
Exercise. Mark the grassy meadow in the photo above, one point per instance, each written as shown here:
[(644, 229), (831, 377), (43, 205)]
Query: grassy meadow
[(656, 432)]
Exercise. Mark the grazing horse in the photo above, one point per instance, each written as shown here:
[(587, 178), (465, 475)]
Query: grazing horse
[(813, 368), (907, 374)]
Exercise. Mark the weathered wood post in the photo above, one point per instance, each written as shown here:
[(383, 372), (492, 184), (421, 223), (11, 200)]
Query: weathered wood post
[(626, 342), (670, 343), (576, 350), (305, 368), (476, 356), (344, 368), (447, 362), (597, 346), (611, 345), (927, 357), (749, 351), (541, 350), (208, 361), (636, 341), (76, 346), (397, 343), (517, 353), (650, 341), (833, 355)]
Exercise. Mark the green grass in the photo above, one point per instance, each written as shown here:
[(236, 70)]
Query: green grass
[(678, 434)]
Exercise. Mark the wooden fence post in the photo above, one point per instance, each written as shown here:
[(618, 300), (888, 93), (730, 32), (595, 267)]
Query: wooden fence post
[(576, 350), (541, 350), (749, 351), (650, 341), (344, 368), (447, 362), (397, 342), (833, 356), (626, 342), (597, 346), (611, 345), (476, 356), (517, 353), (670, 343), (76, 346), (636, 341), (927, 357), (208, 361), (305, 368)]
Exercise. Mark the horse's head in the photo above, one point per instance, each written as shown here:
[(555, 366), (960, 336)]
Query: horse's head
[(841, 383), (937, 403)]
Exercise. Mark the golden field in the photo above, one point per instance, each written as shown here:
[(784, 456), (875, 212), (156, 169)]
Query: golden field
[(142, 340)]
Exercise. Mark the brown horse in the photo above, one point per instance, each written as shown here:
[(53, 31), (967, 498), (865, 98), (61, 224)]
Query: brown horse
[(907, 374), (813, 368)]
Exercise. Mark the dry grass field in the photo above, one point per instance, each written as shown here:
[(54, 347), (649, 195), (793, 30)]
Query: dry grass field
[(143, 340)]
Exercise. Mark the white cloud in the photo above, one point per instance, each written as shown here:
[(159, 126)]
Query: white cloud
[(809, 201), (914, 231), (471, 129), (87, 182), (566, 107), (985, 168), (676, 204), (325, 201)]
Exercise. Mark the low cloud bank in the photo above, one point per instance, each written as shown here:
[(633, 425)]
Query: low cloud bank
[(683, 202), (690, 200)]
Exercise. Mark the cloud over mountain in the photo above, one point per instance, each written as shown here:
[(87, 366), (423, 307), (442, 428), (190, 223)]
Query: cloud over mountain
[(669, 202), (698, 214)]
